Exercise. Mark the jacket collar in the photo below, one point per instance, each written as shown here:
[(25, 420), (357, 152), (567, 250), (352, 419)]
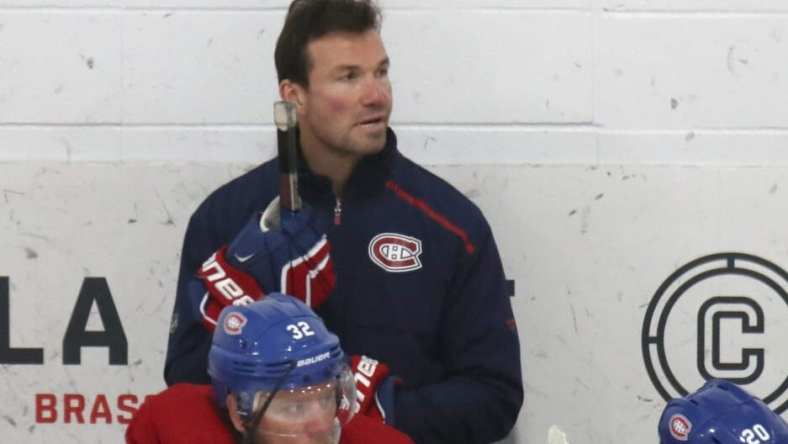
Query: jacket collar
[(367, 179)]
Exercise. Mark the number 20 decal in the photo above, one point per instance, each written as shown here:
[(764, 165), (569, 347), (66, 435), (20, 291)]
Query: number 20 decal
[(299, 330), (748, 436)]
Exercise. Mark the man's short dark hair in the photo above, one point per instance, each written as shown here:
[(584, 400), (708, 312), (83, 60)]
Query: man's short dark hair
[(308, 20)]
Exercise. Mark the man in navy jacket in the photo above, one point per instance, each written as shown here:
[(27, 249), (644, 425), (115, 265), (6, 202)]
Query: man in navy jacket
[(419, 281)]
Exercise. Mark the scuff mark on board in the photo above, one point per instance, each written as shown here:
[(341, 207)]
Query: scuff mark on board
[(36, 236), (428, 140), (69, 149), (7, 191), (169, 221), (89, 61), (30, 253), (584, 220), (731, 60), (574, 317)]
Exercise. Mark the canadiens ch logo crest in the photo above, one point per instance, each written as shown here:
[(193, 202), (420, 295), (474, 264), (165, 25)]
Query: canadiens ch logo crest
[(680, 427), (234, 323), (394, 252)]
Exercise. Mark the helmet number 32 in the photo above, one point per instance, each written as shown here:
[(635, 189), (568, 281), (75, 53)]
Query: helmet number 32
[(754, 435), (301, 329)]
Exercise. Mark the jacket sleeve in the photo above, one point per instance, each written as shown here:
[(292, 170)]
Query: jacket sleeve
[(480, 398), (215, 222), (189, 341)]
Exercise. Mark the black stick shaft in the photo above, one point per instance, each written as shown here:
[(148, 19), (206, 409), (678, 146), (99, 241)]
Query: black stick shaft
[(287, 141)]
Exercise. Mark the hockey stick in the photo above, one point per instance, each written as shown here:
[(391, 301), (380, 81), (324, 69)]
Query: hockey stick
[(315, 256), (287, 141)]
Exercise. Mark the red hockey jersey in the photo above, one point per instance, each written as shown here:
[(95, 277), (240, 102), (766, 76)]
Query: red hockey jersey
[(187, 414)]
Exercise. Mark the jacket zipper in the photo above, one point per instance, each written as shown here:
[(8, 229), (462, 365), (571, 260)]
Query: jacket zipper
[(338, 212)]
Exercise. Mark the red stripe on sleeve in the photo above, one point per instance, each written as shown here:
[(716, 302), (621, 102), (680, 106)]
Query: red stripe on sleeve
[(432, 214)]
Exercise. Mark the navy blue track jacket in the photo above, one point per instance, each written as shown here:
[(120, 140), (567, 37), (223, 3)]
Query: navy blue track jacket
[(436, 312)]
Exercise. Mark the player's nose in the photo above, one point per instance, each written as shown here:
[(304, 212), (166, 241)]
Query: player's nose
[(377, 92)]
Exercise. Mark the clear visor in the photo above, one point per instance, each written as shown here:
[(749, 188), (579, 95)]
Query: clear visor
[(311, 414)]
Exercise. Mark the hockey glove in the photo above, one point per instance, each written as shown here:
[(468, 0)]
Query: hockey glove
[(374, 388), (222, 284), (286, 252)]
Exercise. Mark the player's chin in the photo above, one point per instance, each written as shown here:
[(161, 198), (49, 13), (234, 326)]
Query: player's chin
[(369, 142), (371, 149), (321, 438)]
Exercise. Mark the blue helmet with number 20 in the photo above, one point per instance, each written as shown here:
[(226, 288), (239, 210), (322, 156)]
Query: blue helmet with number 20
[(720, 412), (278, 348)]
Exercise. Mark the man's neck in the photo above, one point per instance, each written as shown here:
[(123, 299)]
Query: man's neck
[(324, 161)]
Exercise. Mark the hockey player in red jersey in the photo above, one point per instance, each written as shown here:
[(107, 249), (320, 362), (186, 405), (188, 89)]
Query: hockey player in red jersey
[(278, 376)]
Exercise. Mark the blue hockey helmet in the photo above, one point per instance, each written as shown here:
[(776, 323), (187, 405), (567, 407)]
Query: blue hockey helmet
[(720, 412), (277, 345)]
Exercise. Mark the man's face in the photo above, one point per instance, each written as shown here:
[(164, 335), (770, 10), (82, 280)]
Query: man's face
[(300, 416), (347, 105)]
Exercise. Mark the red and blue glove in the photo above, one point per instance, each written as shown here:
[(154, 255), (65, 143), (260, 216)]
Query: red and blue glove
[(374, 388), (290, 254)]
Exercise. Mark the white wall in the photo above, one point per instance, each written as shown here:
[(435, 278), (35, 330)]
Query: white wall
[(532, 81), (608, 141)]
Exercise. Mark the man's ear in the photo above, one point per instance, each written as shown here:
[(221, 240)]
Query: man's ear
[(232, 408), (294, 93)]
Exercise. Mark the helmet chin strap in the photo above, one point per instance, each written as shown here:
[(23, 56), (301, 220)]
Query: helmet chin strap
[(250, 427)]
